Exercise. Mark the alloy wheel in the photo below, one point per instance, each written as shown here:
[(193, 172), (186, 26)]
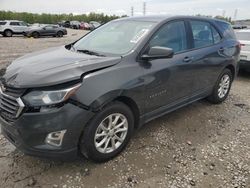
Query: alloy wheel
[(224, 86), (111, 133)]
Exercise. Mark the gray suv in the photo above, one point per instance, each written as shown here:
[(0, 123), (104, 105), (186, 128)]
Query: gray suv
[(89, 97), (10, 27)]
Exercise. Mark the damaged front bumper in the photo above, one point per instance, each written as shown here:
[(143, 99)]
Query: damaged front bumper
[(30, 131)]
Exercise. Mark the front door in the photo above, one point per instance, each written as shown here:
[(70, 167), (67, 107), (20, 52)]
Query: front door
[(169, 81)]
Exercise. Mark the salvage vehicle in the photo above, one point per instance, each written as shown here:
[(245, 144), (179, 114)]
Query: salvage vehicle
[(89, 97), (244, 37), (10, 27), (46, 30)]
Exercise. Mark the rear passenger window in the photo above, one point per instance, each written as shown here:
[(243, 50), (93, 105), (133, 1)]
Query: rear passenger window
[(171, 35), (202, 34), (2, 23), (14, 23)]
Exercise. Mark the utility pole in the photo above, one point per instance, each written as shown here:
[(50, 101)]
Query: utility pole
[(223, 13), (144, 8), (132, 11), (235, 14)]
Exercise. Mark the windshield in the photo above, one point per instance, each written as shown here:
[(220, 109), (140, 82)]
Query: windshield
[(243, 35), (116, 38)]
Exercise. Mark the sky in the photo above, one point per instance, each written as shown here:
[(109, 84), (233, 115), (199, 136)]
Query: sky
[(122, 7)]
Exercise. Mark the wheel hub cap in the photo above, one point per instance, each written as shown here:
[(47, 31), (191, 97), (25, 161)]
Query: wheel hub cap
[(224, 86), (111, 133)]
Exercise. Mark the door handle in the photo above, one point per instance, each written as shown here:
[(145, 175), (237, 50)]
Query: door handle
[(188, 59)]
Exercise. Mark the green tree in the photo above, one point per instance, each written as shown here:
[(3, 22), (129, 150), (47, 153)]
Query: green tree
[(54, 18)]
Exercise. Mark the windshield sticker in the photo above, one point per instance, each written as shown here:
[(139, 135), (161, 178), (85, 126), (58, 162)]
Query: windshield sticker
[(139, 35)]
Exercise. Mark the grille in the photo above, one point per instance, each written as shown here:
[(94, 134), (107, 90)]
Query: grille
[(11, 105)]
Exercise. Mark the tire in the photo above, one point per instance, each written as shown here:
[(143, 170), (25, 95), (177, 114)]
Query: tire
[(89, 140), (35, 35), (8, 33), (59, 34), (220, 93)]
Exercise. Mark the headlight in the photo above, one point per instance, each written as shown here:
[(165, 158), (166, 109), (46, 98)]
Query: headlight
[(44, 98)]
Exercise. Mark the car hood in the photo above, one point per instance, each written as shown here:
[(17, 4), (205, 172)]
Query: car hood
[(53, 66)]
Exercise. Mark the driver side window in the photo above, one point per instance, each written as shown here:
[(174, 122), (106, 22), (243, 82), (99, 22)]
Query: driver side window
[(172, 35)]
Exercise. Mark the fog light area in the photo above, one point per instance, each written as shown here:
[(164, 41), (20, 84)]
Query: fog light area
[(55, 138)]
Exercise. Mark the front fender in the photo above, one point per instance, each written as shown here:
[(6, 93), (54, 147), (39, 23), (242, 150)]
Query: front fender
[(105, 99)]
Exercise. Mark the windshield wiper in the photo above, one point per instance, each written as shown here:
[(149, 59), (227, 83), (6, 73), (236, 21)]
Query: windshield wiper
[(91, 53)]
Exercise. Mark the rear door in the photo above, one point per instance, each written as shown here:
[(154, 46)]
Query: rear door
[(206, 54)]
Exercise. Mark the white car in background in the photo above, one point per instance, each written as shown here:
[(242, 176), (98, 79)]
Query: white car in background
[(10, 27), (244, 37)]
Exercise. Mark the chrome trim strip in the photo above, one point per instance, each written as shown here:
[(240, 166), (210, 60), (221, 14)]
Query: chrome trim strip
[(18, 100), (21, 104), (11, 97)]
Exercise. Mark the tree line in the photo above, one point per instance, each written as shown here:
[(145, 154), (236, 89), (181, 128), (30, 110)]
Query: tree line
[(228, 19), (54, 18)]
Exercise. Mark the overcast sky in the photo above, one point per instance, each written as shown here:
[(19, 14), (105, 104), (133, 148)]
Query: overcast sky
[(121, 7)]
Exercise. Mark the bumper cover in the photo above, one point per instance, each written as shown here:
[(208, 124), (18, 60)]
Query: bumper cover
[(29, 132)]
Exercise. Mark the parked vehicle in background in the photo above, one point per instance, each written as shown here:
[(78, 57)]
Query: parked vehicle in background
[(244, 37), (75, 24), (47, 30), (85, 26), (88, 97), (37, 25), (94, 25), (65, 24), (10, 27), (239, 26)]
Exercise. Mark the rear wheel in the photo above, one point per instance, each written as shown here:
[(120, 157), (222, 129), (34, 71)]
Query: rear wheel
[(108, 132), (59, 34), (222, 87), (8, 33)]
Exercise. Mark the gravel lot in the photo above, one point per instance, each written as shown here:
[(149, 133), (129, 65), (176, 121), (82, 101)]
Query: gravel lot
[(201, 145)]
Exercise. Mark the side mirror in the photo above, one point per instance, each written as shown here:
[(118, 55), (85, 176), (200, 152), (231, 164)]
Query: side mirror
[(44, 28), (158, 52)]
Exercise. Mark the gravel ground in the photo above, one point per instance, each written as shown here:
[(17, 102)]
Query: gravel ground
[(201, 145)]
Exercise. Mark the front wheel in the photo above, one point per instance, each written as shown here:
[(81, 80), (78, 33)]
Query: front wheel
[(107, 133), (221, 88)]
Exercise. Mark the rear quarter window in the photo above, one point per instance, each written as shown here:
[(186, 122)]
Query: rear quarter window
[(3, 23), (226, 30)]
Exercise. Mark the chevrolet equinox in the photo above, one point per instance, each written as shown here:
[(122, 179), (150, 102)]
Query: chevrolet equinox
[(88, 97)]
